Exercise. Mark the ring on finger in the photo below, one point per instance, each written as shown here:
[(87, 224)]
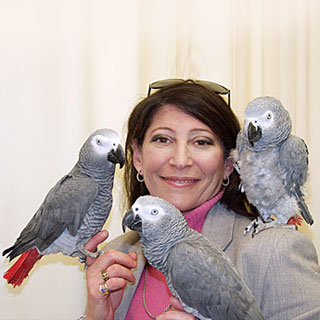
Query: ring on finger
[(105, 275), (104, 289)]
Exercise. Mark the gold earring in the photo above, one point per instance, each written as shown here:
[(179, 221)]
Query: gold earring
[(226, 181), (139, 176)]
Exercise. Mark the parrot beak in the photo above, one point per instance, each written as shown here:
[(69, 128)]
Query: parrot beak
[(254, 134), (117, 156), (131, 221)]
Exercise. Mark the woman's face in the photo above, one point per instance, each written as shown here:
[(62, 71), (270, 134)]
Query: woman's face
[(181, 159)]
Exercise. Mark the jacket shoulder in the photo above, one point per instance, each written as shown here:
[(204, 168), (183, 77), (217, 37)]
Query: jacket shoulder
[(280, 266)]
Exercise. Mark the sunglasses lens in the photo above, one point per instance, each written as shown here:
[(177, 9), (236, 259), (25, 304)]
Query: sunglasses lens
[(164, 83), (217, 88)]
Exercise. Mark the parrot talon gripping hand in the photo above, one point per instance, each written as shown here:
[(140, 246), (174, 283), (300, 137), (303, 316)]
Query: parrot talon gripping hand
[(74, 210), (272, 164), (83, 254), (199, 274)]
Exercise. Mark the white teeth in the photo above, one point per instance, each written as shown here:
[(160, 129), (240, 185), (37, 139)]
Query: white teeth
[(182, 181)]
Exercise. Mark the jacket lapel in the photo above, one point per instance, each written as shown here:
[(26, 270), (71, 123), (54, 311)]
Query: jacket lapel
[(131, 288), (219, 226)]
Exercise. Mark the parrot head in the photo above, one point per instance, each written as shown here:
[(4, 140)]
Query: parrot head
[(267, 123), (102, 150), (160, 225), (155, 219)]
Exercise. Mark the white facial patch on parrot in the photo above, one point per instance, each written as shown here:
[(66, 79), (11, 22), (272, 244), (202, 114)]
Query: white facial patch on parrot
[(103, 145), (149, 213), (264, 121)]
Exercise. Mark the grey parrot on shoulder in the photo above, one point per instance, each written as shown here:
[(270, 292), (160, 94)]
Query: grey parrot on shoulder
[(74, 210), (272, 164), (199, 274)]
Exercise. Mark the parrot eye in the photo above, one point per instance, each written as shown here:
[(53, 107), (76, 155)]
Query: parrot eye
[(154, 212), (98, 141), (269, 116)]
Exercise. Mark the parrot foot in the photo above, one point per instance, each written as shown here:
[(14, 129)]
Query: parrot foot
[(83, 254), (254, 224), (259, 225)]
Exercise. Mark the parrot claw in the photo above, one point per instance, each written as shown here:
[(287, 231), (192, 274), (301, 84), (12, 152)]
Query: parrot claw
[(237, 167), (83, 254), (83, 257), (256, 225), (273, 224), (259, 225), (94, 255), (241, 187)]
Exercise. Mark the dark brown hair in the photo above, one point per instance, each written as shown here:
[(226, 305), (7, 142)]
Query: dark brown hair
[(201, 103)]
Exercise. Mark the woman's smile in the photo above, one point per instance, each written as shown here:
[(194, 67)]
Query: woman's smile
[(180, 182)]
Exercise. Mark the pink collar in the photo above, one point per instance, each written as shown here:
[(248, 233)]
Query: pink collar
[(197, 216)]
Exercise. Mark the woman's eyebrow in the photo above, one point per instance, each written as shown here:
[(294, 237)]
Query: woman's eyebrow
[(161, 128), (202, 130)]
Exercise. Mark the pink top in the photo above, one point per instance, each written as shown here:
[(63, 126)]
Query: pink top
[(156, 281)]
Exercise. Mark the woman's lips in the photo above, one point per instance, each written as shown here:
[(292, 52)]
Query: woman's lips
[(180, 181)]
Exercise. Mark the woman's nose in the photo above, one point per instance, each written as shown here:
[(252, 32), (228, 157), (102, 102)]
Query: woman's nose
[(181, 157)]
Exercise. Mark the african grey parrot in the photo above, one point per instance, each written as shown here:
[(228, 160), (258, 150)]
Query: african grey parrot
[(74, 210), (199, 274), (272, 164)]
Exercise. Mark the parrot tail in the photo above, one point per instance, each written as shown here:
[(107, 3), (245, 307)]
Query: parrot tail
[(295, 220), (20, 270)]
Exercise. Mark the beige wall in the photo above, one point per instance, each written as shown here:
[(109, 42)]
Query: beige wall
[(68, 67)]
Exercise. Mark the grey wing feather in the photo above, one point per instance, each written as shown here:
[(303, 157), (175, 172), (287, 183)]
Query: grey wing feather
[(294, 161), (69, 201), (64, 207), (206, 281), (240, 141)]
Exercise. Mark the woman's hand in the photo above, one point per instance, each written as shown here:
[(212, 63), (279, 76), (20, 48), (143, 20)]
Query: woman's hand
[(177, 314), (118, 265)]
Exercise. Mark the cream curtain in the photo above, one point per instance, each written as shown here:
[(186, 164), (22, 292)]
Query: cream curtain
[(68, 67)]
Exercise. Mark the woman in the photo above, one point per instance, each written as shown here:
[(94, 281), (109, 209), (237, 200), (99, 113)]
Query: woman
[(177, 148)]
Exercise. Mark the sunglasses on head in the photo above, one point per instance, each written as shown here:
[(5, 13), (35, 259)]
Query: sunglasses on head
[(212, 86)]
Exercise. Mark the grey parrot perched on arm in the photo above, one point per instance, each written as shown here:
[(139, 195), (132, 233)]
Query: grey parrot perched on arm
[(199, 274), (74, 210), (272, 164)]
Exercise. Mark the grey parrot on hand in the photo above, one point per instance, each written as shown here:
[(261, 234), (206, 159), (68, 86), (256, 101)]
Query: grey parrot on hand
[(199, 274), (74, 210), (272, 164)]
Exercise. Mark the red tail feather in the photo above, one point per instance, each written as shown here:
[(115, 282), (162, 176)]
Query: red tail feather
[(295, 220), (22, 267)]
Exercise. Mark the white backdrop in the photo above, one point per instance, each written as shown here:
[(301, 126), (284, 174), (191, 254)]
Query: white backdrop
[(68, 67)]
